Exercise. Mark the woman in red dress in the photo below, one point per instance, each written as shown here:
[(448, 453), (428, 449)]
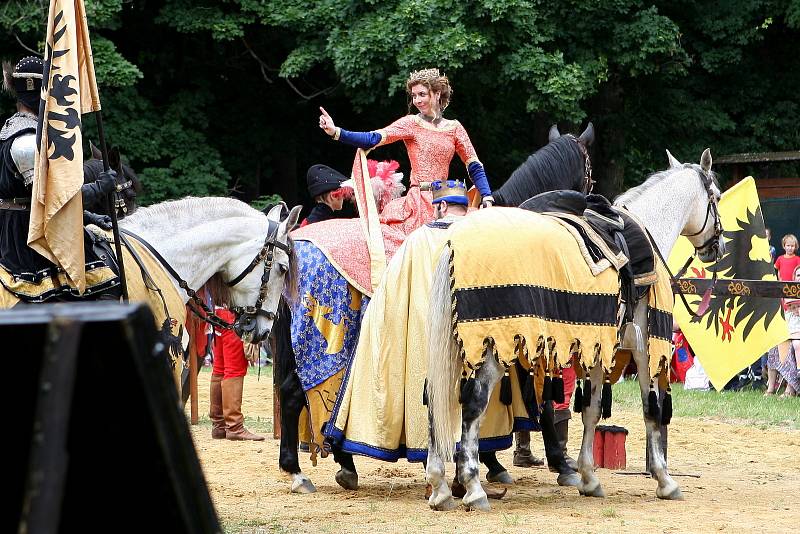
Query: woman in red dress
[(431, 141)]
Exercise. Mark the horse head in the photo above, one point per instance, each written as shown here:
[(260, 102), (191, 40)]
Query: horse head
[(703, 227), (249, 283), (561, 164), (128, 183)]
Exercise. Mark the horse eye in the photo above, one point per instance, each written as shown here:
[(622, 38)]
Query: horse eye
[(283, 268)]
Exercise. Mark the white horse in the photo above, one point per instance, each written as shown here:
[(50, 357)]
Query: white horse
[(679, 201), (199, 237)]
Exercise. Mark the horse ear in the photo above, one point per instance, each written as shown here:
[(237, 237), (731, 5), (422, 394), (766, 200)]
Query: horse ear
[(587, 137), (554, 133), (291, 220), (705, 160), (96, 154), (673, 163), (274, 213), (114, 158)]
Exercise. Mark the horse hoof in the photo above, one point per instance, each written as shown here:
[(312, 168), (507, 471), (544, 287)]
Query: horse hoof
[(672, 495), (444, 506), (481, 504), (568, 479), (303, 486), (502, 477), (347, 479), (595, 491)]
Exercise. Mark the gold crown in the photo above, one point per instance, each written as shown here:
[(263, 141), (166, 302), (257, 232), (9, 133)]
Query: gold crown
[(450, 190), (424, 75)]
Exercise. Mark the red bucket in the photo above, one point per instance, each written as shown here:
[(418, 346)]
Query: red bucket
[(609, 447)]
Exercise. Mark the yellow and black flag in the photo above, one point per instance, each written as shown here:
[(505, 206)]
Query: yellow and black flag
[(69, 89), (737, 329)]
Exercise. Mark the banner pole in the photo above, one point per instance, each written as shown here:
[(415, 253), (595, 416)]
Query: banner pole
[(112, 208)]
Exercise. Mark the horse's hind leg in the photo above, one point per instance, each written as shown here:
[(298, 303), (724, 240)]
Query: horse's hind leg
[(441, 497), (473, 411), (590, 484), (292, 402), (346, 477), (667, 487)]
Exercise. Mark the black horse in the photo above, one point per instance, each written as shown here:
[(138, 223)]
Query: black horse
[(562, 164), (128, 183)]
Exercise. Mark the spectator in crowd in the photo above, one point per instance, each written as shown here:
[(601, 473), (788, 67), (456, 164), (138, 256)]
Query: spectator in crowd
[(789, 260), (788, 369), (772, 251)]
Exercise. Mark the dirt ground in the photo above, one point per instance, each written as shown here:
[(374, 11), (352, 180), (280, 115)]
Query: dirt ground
[(749, 481)]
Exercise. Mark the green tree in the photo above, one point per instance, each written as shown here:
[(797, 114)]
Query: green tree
[(225, 98)]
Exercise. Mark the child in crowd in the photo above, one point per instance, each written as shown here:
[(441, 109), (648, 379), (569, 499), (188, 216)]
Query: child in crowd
[(787, 262), (788, 369)]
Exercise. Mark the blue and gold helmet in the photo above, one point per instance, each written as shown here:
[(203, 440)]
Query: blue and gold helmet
[(451, 191)]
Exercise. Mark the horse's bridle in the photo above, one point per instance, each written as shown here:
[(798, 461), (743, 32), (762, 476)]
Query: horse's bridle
[(245, 315), (712, 241), (588, 182)]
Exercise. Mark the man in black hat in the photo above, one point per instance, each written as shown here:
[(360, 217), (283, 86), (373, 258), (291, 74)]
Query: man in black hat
[(324, 186), (23, 271)]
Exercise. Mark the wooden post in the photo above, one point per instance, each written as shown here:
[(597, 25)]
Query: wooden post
[(276, 392), (193, 417)]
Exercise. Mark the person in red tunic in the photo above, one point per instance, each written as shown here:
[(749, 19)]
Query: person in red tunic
[(230, 368)]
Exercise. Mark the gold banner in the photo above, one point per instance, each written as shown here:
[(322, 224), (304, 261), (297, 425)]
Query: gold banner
[(69, 89), (739, 328)]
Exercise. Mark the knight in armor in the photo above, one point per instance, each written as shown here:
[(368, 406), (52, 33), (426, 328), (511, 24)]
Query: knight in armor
[(23, 271), (324, 186)]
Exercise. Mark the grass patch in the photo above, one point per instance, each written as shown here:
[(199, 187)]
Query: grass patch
[(746, 406)]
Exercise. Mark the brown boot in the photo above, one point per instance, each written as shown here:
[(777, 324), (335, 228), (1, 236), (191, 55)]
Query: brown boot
[(232, 409), (523, 457), (561, 422), (215, 408)]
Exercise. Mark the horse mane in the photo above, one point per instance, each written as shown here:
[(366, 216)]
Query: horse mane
[(206, 209), (557, 165), (635, 193), (202, 209)]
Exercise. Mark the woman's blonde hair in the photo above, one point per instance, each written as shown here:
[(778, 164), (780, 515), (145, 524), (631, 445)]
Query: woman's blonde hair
[(434, 82)]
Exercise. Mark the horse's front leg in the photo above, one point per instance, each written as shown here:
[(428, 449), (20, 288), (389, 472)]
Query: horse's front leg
[(472, 413), (292, 402), (667, 487), (590, 484)]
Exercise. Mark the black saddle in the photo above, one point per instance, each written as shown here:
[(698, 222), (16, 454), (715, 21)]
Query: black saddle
[(620, 232)]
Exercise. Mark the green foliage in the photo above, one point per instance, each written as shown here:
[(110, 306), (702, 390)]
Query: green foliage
[(111, 69), (265, 200), (212, 96)]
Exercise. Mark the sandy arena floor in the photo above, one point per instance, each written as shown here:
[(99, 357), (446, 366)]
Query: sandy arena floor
[(749, 482)]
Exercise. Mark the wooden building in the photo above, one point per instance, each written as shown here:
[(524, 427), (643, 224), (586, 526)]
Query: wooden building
[(779, 194)]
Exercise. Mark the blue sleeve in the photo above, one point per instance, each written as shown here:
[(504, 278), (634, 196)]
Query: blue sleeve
[(478, 177), (358, 139)]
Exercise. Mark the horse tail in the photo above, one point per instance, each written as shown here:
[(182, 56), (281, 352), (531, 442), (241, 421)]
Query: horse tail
[(444, 365), (283, 361)]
